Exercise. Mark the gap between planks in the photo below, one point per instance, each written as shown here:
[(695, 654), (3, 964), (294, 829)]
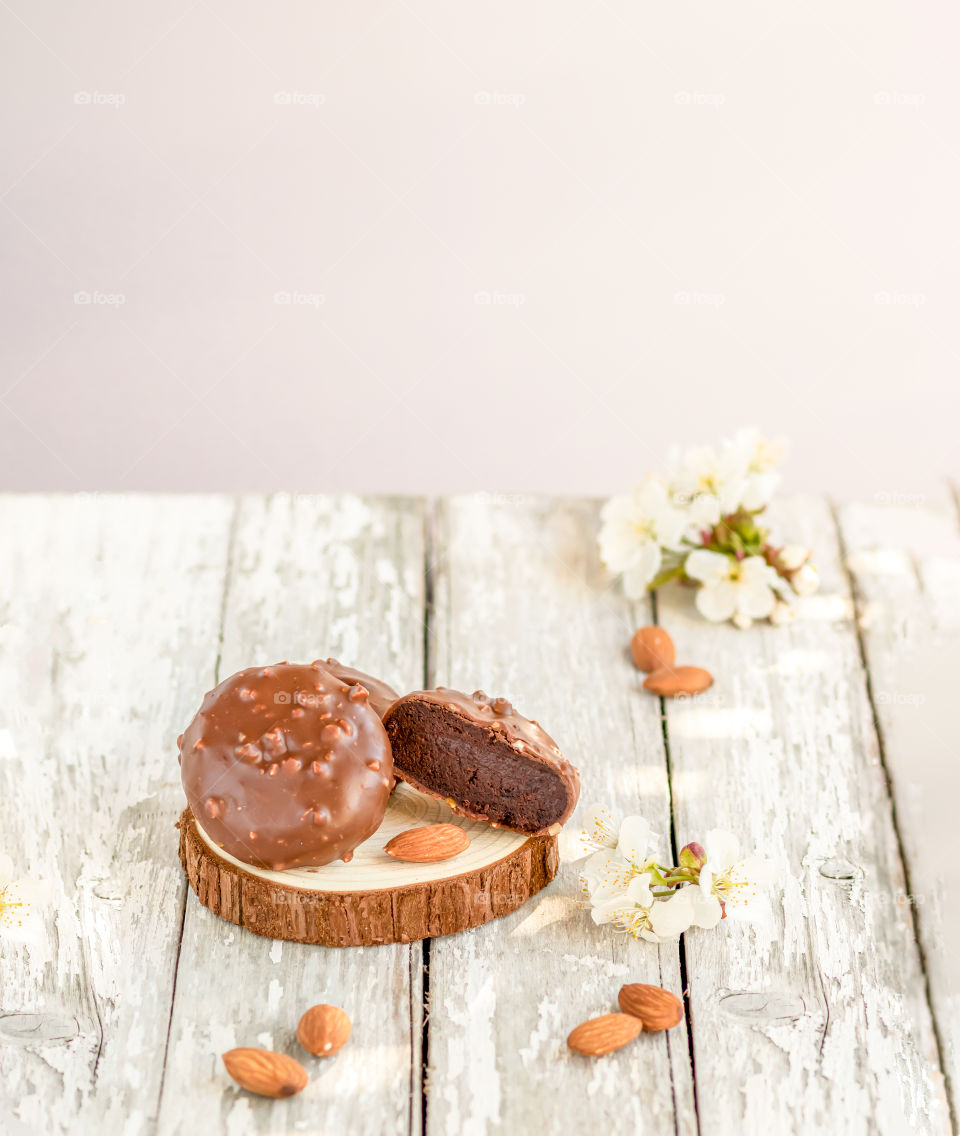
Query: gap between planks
[(902, 619), (429, 568), (891, 793), (682, 948), (327, 575)]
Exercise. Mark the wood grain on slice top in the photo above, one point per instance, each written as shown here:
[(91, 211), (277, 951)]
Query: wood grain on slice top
[(374, 899)]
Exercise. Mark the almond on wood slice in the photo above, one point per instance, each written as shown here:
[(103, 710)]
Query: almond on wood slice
[(323, 1030), (652, 648), (265, 1073), (656, 1008), (422, 845), (603, 1035), (670, 682)]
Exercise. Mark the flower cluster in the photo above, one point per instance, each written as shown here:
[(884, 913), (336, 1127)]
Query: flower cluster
[(626, 886), (703, 524)]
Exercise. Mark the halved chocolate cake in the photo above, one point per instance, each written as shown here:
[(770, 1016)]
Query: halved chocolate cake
[(482, 757)]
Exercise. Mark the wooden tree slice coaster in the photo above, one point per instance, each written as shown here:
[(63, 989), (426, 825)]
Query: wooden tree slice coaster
[(374, 899)]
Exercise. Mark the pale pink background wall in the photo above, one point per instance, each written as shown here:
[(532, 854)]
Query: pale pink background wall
[(417, 245)]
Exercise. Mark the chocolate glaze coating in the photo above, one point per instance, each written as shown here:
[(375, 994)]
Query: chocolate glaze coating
[(483, 758), (287, 766), (382, 697)]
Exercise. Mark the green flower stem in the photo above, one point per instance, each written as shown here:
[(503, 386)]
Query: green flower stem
[(665, 577), (656, 874), (681, 876), (671, 877)]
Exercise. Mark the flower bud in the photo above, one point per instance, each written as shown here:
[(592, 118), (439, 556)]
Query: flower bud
[(805, 580), (793, 556), (782, 614), (744, 622), (692, 856)]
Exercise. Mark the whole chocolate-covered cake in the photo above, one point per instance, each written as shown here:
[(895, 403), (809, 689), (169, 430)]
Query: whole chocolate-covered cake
[(287, 766), (486, 760)]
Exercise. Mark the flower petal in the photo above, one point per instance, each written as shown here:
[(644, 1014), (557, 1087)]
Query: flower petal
[(617, 909), (21, 907), (606, 874), (636, 840), (707, 566), (755, 600), (642, 570), (36, 893), (758, 490), (759, 871), (639, 890), (704, 511), (722, 849), (758, 909), (670, 917), (610, 911), (707, 911), (717, 602), (600, 827)]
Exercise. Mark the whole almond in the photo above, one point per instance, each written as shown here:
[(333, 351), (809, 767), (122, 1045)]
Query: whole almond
[(422, 845), (652, 648), (669, 682), (603, 1035), (265, 1073), (323, 1030), (656, 1008)]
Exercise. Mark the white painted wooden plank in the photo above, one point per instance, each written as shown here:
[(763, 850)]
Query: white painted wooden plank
[(783, 751), (905, 562), (310, 577), (108, 608), (520, 610)]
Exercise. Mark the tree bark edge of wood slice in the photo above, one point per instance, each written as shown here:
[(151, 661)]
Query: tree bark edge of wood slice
[(366, 918)]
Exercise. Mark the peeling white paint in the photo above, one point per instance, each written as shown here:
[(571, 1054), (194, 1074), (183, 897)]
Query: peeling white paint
[(788, 759)]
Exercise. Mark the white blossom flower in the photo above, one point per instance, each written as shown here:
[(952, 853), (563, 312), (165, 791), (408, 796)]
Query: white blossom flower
[(628, 907), (805, 580), (754, 459), (636, 527), (706, 482), (622, 852), (605, 875), (631, 838), (730, 885), (21, 903), (600, 829), (732, 587), (636, 911), (705, 524), (739, 474)]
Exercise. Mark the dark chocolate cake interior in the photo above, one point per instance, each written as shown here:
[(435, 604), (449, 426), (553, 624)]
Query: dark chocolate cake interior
[(472, 765)]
